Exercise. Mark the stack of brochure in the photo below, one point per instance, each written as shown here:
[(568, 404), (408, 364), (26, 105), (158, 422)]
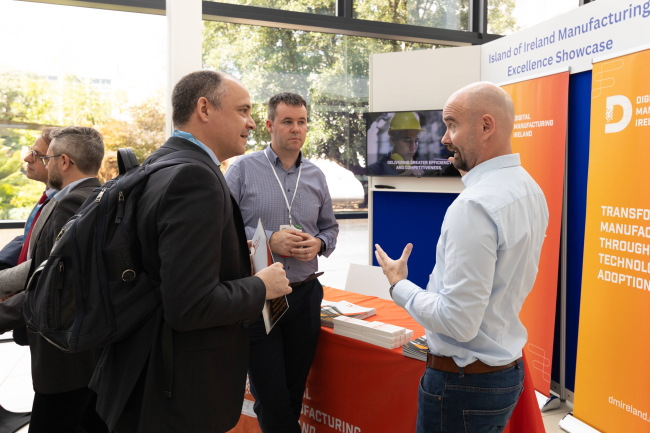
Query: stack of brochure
[(330, 310), (377, 333), (416, 349)]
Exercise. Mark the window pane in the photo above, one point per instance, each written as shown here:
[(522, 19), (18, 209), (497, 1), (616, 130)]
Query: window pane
[(445, 14), (321, 7), (69, 66), (508, 16), (330, 71)]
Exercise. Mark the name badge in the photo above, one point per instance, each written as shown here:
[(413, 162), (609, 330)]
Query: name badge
[(297, 227)]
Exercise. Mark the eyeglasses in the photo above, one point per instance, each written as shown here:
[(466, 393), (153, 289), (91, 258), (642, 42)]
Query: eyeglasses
[(32, 152), (46, 159)]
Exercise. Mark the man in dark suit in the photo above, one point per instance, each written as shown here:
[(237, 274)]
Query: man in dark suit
[(62, 400), (193, 242)]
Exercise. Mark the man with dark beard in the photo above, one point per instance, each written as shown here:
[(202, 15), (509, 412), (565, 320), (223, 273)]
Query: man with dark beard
[(62, 399)]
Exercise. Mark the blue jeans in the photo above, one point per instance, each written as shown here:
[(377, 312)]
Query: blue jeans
[(476, 403)]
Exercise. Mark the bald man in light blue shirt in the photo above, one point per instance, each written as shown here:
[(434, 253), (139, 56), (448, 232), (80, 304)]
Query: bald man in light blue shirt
[(486, 264)]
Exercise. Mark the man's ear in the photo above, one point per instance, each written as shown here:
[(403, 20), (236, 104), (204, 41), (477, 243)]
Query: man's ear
[(488, 125), (203, 108), (66, 162), (269, 126)]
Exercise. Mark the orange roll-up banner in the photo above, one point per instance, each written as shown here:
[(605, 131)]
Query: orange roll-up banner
[(613, 379), (539, 137)]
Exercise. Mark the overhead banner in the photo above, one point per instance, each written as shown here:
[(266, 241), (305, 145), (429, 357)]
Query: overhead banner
[(612, 380), (539, 137), (573, 39)]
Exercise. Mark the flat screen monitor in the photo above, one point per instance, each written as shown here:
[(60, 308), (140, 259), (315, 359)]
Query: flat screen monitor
[(407, 143)]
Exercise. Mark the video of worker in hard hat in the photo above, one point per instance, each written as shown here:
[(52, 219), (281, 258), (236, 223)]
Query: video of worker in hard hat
[(407, 143)]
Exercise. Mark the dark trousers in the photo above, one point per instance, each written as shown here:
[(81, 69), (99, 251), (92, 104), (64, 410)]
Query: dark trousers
[(280, 361), (66, 412), (477, 403)]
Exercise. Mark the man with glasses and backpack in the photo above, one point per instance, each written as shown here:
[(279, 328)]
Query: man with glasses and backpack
[(62, 399)]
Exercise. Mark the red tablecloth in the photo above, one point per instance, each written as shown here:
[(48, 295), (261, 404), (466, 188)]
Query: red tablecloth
[(361, 388)]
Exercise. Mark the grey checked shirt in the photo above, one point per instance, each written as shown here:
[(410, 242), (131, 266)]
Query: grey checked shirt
[(257, 191)]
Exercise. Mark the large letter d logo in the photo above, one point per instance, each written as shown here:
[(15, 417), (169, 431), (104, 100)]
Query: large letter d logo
[(624, 103)]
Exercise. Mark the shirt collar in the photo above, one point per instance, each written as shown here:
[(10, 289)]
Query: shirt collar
[(189, 137), (275, 159), (50, 192), (491, 164), (68, 188)]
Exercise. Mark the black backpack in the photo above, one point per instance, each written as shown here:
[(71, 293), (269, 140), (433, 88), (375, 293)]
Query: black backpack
[(92, 290)]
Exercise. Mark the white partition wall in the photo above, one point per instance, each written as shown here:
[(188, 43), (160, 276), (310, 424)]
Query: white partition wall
[(423, 79)]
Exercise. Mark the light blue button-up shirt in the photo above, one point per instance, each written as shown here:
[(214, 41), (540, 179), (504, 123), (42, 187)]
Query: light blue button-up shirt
[(486, 263), (189, 137)]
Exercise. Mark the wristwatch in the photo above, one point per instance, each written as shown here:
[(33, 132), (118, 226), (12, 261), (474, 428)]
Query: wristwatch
[(323, 247), (390, 291)]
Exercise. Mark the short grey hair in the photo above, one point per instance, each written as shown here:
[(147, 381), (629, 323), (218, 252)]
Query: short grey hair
[(192, 87), (84, 146), (286, 98)]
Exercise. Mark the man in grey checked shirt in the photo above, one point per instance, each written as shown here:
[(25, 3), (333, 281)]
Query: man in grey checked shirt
[(282, 188)]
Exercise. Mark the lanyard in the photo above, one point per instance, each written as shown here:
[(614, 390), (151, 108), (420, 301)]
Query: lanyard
[(282, 187)]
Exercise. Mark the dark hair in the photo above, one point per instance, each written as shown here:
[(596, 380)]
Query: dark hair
[(46, 135), (287, 98), (85, 146), (191, 88)]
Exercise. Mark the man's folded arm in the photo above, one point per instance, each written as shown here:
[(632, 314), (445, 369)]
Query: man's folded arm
[(11, 313), (9, 253), (13, 280), (327, 225)]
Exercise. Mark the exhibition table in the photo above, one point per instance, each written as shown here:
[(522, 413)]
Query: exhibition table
[(358, 387)]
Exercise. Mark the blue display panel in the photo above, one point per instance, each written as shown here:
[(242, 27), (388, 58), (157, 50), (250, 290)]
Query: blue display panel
[(416, 217), (577, 168)]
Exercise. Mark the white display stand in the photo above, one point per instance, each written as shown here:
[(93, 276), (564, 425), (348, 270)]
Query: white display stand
[(572, 424), (367, 280)]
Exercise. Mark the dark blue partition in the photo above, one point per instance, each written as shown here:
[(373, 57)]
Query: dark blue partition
[(416, 217), (577, 168)]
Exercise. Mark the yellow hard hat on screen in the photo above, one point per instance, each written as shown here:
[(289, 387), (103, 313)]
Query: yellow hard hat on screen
[(406, 120)]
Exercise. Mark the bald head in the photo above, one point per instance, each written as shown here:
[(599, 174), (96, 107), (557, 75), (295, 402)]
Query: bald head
[(486, 98), (479, 120)]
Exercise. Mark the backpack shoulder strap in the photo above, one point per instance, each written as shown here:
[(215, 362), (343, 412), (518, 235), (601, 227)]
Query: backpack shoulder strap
[(184, 157), (126, 159)]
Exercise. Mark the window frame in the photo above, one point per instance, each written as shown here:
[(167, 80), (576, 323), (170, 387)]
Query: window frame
[(341, 23)]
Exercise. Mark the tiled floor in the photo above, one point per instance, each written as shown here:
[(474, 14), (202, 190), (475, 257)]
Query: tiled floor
[(352, 247), (552, 418), (15, 379), (16, 393)]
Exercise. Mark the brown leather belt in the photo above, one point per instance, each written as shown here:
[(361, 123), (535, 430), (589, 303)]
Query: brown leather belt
[(309, 278), (444, 363)]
